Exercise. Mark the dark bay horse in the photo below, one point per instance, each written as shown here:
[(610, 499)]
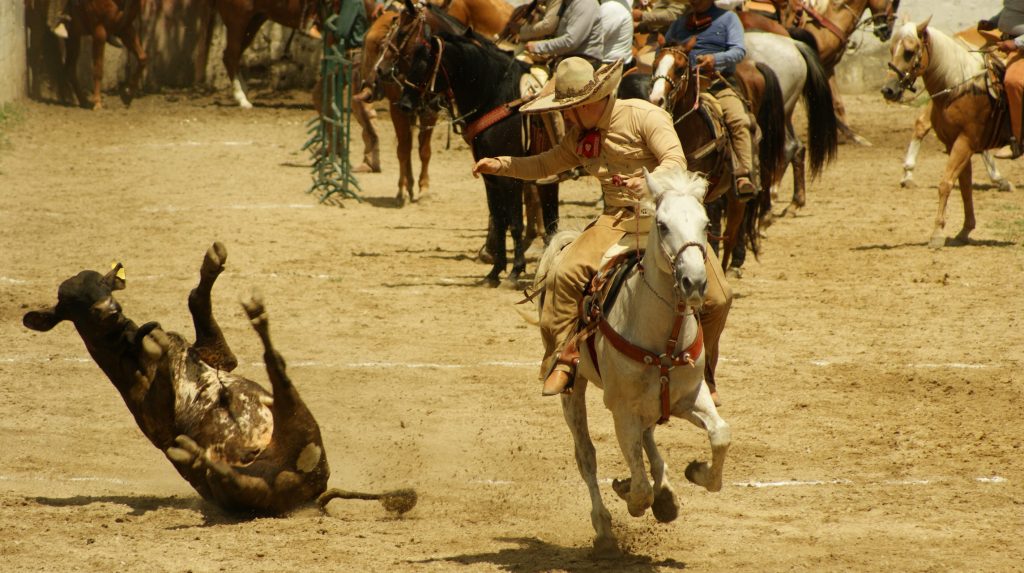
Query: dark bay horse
[(103, 19), (705, 139), (475, 78), (385, 40)]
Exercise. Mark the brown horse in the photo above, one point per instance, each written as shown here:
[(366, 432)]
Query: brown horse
[(966, 117), (828, 32), (385, 40), (705, 138), (103, 19)]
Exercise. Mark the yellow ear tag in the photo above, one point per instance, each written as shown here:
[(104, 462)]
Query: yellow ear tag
[(120, 272)]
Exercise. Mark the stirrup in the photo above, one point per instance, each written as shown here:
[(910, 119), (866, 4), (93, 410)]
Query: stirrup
[(745, 190)]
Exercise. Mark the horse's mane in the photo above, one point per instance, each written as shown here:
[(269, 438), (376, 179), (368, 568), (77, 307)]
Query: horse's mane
[(679, 181), (951, 63), (454, 26)]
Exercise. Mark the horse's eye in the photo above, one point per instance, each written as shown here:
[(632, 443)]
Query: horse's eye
[(909, 54)]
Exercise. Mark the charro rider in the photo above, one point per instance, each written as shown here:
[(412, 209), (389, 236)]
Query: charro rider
[(1010, 22), (719, 48), (613, 140)]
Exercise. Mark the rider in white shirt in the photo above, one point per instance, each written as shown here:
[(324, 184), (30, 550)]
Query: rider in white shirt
[(617, 24)]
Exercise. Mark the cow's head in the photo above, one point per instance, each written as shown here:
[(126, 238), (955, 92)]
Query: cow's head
[(87, 300)]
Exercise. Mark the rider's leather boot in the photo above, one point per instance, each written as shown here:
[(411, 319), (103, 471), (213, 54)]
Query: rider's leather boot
[(561, 377)]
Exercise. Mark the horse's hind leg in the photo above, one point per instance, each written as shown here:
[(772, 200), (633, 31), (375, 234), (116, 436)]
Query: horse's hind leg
[(574, 408), (428, 119), (967, 194), (210, 343), (922, 125), (134, 79), (99, 41), (799, 178), (704, 415), (402, 123), (993, 172), (959, 157), (549, 208), (665, 506), (515, 224)]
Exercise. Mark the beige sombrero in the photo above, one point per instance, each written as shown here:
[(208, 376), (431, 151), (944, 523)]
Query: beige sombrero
[(576, 83)]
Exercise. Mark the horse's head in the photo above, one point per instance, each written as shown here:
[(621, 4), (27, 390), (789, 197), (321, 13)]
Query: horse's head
[(883, 17), (423, 76), (671, 74), (679, 238), (910, 58)]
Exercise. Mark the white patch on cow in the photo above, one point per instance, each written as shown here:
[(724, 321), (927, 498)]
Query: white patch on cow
[(309, 459)]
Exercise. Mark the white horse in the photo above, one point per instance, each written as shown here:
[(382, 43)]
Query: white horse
[(800, 73), (650, 359)]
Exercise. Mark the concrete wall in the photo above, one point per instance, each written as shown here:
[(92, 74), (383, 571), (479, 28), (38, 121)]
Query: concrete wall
[(12, 51), (864, 67)]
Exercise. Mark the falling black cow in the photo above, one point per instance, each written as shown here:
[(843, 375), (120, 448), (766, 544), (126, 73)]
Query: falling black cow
[(239, 446)]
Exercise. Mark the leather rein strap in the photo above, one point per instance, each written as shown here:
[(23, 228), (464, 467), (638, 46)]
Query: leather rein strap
[(825, 22)]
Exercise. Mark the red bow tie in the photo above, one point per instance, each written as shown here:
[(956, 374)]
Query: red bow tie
[(698, 22)]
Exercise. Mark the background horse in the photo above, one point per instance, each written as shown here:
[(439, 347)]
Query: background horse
[(827, 25), (966, 118), (705, 137), (800, 73), (653, 302), (476, 78), (386, 37), (103, 19), (976, 40)]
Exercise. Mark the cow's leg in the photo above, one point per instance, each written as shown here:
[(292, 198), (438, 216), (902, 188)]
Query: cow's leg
[(665, 506), (629, 430), (210, 343), (993, 172), (574, 408), (99, 42), (922, 125), (704, 415), (959, 156), (428, 119)]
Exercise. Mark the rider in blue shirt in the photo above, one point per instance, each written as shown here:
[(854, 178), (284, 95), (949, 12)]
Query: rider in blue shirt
[(719, 48)]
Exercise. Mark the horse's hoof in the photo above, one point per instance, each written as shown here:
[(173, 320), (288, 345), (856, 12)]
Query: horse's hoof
[(665, 507), (908, 184), (1005, 186), (511, 282), (422, 193), (937, 242), (400, 198), (606, 548), (621, 487), (485, 256)]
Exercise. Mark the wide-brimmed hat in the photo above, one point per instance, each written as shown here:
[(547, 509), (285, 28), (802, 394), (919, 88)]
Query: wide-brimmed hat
[(576, 83)]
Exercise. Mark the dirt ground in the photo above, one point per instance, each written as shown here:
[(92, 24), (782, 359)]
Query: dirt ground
[(873, 384)]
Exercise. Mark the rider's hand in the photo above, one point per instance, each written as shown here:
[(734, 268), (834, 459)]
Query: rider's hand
[(531, 47), (486, 166), (1008, 46), (377, 11), (706, 63), (637, 15), (636, 185)]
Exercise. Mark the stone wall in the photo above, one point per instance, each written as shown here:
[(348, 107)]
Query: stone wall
[(864, 67), (12, 51)]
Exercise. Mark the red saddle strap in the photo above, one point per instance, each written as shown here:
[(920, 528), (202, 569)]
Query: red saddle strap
[(490, 118)]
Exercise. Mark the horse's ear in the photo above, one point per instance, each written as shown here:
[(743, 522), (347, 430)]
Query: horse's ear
[(410, 7), (922, 28), (653, 185)]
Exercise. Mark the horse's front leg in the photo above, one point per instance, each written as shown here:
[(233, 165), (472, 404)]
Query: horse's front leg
[(515, 224), (733, 224), (574, 408), (665, 506), (428, 119), (959, 157), (799, 180), (99, 41), (210, 342), (403, 149), (629, 429), (703, 414), (967, 194)]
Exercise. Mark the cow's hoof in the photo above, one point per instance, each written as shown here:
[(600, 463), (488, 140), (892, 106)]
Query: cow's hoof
[(180, 456), (254, 308), (213, 262)]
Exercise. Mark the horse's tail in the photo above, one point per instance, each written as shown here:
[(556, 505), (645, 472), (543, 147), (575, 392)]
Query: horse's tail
[(554, 248), (771, 117), (823, 129)]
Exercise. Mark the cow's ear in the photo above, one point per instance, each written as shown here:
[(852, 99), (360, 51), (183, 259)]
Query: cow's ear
[(115, 278), (41, 320)]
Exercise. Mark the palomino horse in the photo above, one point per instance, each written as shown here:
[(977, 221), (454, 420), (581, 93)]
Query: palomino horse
[(646, 353), (396, 31), (480, 84), (799, 71), (827, 26), (705, 136), (976, 40), (103, 19), (967, 120)]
